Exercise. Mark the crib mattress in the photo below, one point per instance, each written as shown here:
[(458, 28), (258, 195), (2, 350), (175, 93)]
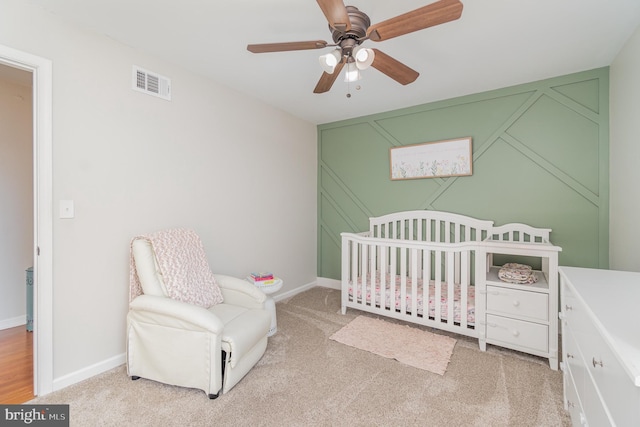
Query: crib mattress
[(444, 299)]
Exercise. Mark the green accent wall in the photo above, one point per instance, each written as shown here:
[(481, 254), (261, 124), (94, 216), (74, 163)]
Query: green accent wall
[(540, 157)]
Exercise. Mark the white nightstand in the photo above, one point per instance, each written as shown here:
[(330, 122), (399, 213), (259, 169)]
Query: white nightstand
[(270, 304)]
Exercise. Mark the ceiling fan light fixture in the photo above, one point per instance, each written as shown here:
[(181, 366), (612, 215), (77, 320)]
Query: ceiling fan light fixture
[(350, 27), (364, 57), (352, 74), (329, 61)]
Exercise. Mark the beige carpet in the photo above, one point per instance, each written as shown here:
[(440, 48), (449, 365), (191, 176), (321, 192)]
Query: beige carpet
[(406, 344), (306, 379)]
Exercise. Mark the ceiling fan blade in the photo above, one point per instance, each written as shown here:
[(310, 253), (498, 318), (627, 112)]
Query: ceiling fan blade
[(393, 68), (428, 16), (283, 47), (327, 80), (336, 13)]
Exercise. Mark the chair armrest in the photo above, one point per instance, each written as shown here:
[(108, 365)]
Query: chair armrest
[(240, 292), (165, 311)]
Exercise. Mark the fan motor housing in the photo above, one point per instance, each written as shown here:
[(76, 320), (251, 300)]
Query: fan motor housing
[(347, 40)]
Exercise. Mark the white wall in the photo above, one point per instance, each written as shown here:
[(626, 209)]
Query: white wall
[(16, 196), (239, 172), (624, 229)]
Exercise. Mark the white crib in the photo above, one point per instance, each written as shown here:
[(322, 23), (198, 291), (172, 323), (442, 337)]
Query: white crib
[(420, 266), (431, 249)]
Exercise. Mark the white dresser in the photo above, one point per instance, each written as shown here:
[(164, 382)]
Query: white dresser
[(600, 318)]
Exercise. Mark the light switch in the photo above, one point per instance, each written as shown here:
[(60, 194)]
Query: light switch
[(66, 209)]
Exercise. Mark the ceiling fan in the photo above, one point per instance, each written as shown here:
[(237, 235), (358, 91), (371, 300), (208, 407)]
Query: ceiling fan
[(350, 27)]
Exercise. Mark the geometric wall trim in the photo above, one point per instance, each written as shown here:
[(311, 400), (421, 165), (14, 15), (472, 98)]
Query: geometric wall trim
[(540, 157)]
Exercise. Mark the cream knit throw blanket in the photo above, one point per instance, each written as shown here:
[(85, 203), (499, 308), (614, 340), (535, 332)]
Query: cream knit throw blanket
[(183, 265)]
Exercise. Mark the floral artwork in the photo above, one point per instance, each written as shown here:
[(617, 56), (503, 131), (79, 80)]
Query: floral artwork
[(432, 159)]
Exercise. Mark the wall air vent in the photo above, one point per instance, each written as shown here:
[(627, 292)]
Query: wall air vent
[(151, 83)]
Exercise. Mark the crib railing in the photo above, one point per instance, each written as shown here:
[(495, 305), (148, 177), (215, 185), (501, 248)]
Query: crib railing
[(432, 226), (519, 233), (523, 233), (387, 276), (429, 226)]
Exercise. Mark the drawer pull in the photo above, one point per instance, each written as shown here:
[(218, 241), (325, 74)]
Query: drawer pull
[(596, 363), (514, 332), (567, 307)]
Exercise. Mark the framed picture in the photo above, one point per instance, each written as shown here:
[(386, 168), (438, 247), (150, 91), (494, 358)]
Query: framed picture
[(432, 159)]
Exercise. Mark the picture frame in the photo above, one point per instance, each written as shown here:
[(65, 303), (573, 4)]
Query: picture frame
[(438, 159)]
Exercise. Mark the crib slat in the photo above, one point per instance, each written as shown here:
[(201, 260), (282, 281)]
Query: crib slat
[(383, 277), (457, 233), (426, 281), (450, 288), (392, 277), (409, 228), (414, 283), (363, 273), (464, 288), (345, 273), (354, 270), (438, 286), (373, 261), (403, 280)]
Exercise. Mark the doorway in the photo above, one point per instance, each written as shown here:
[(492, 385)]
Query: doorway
[(42, 88), (16, 223)]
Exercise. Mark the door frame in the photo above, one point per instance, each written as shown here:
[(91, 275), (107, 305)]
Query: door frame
[(42, 89)]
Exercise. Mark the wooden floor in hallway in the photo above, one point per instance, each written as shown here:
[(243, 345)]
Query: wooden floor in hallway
[(16, 365)]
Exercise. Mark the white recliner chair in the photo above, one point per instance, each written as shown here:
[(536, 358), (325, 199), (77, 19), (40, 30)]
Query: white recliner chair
[(180, 343)]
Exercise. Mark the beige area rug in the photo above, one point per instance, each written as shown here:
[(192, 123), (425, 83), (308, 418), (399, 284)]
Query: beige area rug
[(411, 346)]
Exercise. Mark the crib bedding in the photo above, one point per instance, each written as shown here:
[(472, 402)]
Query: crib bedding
[(444, 300)]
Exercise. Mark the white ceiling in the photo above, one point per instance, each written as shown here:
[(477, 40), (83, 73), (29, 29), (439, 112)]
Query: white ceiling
[(496, 43)]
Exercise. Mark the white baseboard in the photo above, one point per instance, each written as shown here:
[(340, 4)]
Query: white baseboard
[(88, 372), (295, 291), (13, 322), (321, 281), (329, 283)]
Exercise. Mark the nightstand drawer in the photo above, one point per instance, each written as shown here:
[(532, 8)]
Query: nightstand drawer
[(522, 304), (518, 334)]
